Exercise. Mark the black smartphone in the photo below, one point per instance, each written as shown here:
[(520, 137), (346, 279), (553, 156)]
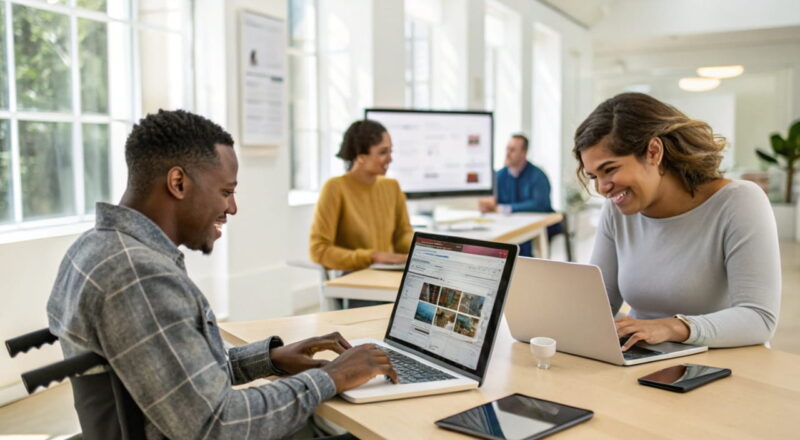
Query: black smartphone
[(516, 417), (683, 378)]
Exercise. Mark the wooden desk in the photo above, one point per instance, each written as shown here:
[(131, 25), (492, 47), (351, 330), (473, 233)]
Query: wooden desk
[(515, 228), (760, 400), (381, 285)]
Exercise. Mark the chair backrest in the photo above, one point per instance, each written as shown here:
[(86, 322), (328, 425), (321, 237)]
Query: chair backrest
[(562, 228), (105, 408)]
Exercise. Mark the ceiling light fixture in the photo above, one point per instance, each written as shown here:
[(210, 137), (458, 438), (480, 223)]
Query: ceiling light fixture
[(698, 84), (720, 71)]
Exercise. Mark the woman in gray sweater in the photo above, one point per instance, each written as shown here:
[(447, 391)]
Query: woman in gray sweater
[(695, 255)]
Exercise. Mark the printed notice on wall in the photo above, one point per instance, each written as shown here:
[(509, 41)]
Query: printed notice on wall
[(263, 79)]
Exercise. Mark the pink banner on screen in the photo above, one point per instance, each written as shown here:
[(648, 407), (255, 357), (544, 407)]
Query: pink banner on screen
[(465, 248), (487, 251)]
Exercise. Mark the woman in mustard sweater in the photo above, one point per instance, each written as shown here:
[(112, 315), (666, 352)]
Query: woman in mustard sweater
[(361, 217)]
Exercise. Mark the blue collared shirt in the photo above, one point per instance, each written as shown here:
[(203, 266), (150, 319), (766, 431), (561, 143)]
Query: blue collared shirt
[(527, 192)]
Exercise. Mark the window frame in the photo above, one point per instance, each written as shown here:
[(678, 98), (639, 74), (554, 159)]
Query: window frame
[(299, 193), (412, 47), (17, 228)]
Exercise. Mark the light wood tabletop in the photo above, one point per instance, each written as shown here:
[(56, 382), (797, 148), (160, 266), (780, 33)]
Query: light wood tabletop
[(761, 399)]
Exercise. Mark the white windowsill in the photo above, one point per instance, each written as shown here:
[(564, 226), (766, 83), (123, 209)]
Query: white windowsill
[(43, 232), (299, 197)]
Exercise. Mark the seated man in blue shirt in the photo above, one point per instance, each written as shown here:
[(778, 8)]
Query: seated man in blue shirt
[(521, 187)]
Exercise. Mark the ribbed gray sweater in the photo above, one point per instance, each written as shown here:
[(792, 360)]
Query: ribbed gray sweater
[(718, 264)]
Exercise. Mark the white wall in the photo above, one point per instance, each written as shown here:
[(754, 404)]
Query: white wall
[(27, 269), (576, 83), (258, 280)]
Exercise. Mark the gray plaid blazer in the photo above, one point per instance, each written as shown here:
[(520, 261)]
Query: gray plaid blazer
[(122, 291)]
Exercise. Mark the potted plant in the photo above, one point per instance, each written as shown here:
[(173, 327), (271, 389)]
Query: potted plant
[(787, 149)]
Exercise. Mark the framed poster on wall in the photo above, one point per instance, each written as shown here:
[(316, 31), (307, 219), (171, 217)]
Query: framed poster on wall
[(262, 82)]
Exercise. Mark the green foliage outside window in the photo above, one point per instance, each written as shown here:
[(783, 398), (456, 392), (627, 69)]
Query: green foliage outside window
[(94, 5), (42, 57), (46, 169), (5, 174), (96, 179), (3, 66), (93, 49)]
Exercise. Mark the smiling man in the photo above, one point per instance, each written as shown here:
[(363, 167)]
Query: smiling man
[(122, 292)]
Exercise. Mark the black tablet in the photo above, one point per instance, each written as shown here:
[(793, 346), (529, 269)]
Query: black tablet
[(516, 417)]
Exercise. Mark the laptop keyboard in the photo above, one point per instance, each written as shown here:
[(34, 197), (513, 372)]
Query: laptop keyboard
[(636, 352), (411, 371)]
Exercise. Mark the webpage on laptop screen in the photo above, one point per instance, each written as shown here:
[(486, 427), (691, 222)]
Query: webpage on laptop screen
[(447, 298)]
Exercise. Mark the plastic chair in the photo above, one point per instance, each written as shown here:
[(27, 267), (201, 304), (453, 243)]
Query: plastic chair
[(105, 408)]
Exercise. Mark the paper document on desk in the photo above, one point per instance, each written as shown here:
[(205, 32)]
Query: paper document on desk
[(388, 266), (464, 226)]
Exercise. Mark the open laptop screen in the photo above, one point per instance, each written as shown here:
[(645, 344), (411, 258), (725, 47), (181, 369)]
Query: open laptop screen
[(451, 298)]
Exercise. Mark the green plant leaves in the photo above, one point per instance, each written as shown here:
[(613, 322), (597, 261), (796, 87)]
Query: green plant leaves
[(766, 157), (778, 144), (793, 140)]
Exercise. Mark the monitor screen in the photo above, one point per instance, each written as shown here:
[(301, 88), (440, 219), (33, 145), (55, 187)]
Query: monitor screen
[(439, 153)]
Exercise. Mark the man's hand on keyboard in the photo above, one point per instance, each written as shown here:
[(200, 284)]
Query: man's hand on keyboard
[(299, 356), (357, 365)]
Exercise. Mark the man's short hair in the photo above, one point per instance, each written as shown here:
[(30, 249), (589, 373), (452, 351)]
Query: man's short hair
[(523, 138), (166, 139)]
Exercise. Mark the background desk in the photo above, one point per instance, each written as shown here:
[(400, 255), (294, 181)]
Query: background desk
[(515, 228), (381, 285), (760, 400)]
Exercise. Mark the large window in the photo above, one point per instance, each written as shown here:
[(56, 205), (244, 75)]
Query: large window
[(304, 101), (503, 74), (329, 85), (72, 79), (418, 63)]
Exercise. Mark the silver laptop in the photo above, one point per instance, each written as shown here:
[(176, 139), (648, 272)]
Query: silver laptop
[(444, 322), (568, 302)]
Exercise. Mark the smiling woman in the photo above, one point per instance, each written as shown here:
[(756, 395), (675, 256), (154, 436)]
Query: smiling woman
[(361, 217), (676, 238)]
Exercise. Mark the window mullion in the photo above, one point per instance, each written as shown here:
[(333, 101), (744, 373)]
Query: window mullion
[(323, 126), (136, 75), (189, 70), (16, 178), (77, 132), (412, 60)]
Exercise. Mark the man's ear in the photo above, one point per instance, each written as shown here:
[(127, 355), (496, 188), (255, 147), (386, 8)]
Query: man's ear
[(655, 151), (178, 182)]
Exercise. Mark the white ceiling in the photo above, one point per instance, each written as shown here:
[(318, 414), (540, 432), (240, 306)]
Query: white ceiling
[(743, 38), (585, 12), (599, 13)]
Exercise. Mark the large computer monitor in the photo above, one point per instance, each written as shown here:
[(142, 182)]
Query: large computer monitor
[(439, 153)]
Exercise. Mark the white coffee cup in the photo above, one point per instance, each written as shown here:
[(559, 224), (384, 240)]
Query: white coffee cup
[(543, 348)]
